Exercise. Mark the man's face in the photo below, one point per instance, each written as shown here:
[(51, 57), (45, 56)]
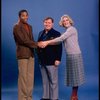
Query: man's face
[(24, 17), (48, 24)]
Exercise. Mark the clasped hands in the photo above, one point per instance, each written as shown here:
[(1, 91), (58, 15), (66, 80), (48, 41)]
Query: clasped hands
[(42, 44)]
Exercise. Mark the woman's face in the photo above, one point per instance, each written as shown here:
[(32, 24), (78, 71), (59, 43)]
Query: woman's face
[(66, 22)]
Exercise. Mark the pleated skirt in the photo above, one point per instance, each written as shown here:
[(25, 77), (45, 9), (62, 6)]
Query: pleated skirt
[(74, 75)]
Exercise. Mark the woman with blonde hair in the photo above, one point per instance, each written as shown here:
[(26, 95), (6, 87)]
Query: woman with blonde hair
[(74, 69)]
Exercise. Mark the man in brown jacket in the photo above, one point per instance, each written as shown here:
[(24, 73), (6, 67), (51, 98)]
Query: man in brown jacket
[(25, 45)]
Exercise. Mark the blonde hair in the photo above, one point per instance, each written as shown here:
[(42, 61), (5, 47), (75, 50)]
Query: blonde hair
[(69, 18)]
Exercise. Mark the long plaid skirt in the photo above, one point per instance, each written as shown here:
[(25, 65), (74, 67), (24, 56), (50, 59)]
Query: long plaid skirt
[(74, 70)]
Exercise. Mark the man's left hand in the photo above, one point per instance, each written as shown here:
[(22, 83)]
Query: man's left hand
[(57, 62)]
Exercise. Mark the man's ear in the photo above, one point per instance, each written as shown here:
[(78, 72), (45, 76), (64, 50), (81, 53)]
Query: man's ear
[(18, 20)]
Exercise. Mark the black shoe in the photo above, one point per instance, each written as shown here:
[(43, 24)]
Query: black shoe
[(55, 99), (44, 99)]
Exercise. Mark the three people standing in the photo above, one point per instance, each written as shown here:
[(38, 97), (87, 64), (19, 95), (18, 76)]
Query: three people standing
[(49, 49)]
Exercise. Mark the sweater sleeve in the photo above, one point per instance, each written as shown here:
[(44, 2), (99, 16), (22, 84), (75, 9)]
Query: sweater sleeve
[(64, 36)]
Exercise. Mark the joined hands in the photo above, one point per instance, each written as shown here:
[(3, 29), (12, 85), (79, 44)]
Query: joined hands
[(42, 44)]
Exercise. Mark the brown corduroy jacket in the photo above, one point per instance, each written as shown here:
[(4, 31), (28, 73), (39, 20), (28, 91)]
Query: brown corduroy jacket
[(24, 40)]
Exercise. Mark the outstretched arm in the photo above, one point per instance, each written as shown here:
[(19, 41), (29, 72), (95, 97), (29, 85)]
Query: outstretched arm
[(58, 40), (23, 39)]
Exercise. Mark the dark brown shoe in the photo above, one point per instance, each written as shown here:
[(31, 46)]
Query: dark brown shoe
[(74, 98)]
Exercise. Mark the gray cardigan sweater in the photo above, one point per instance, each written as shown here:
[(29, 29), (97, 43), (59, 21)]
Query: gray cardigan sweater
[(70, 39)]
